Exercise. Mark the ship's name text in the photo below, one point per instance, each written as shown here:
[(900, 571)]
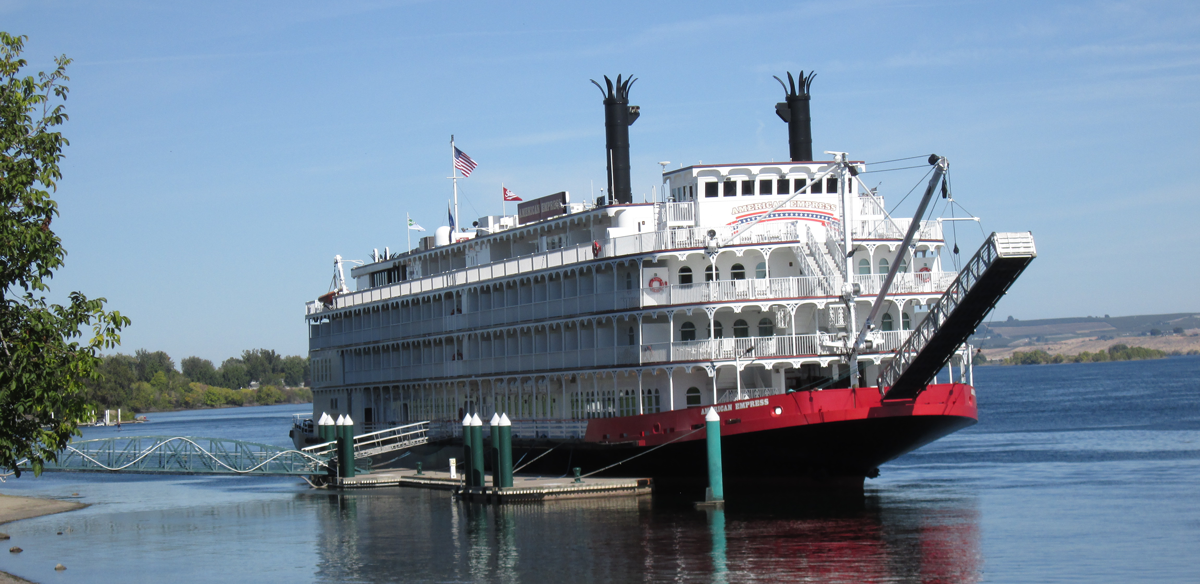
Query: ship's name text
[(816, 205), (754, 403)]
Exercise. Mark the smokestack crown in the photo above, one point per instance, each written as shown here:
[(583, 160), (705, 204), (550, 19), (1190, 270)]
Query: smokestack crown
[(618, 116), (795, 112)]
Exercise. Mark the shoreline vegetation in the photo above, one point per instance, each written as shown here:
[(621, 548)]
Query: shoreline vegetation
[(148, 381), (1118, 352)]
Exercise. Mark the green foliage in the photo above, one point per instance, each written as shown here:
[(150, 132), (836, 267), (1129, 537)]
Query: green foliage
[(1118, 352), (123, 382), (45, 358)]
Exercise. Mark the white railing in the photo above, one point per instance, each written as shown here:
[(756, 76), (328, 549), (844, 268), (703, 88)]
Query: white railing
[(366, 445), (674, 239), (764, 347), (896, 229), (907, 283), (677, 214), (733, 290), (833, 270), (749, 393)]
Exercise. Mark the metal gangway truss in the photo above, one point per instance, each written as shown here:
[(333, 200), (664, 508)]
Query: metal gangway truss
[(184, 455), (956, 315), (383, 441)]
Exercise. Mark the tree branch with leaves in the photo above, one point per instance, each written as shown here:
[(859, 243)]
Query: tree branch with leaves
[(45, 356)]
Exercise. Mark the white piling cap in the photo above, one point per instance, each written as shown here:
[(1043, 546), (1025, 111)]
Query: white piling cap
[(712, 416), (341, 421), (467, 420), (504, 420), (321, 421), (349, 422), (495, 421), (475, 421)]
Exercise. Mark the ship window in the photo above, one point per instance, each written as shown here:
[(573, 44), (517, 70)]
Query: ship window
[(760, 271), (906, 321), (783, 189), (685, 275), (687, 332), (632, 337), (765, 328), (629, 280), (737, 272), (747, 188), (886, 322), (764, 187), (718, 331), (903, 267), (800, 184), (741, 330), (816, 188), (710, 189), (883, 266), (831, 185), (709, 276), (693, 396), (864, 267), (730, 188)]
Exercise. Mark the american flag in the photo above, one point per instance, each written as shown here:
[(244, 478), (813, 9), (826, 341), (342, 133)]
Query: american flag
[(463, 162), (510, 196)]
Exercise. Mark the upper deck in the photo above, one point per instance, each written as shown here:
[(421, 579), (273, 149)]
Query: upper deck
[(704, 204)]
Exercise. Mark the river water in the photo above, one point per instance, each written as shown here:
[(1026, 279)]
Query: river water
[(1075, 473)]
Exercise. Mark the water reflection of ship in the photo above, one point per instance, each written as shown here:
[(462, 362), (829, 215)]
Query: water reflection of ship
[(871, 538)]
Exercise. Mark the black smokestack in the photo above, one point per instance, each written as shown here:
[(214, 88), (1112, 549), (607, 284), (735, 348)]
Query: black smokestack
[(618, 116), (795, 112)]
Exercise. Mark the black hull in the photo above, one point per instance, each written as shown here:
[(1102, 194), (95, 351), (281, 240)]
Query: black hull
[(831, 453)]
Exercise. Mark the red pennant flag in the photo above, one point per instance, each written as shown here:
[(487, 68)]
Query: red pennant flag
[(510, 196)]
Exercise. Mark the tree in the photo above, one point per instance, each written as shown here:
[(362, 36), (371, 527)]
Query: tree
[(148, 364), (44, 361), (201, 370)]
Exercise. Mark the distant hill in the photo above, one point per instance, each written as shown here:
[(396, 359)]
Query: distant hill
[(998, 338)]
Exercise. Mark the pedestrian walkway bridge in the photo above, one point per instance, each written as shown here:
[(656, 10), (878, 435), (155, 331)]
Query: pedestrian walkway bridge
[(185, 455), (381, 442), (190, 455)]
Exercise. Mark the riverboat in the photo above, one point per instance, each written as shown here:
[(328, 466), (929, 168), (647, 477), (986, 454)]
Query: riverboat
[(828, 335)]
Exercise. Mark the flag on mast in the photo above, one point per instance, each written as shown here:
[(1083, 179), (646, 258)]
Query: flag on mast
[(463, 162), (509, 195), (413, 225), (450, 212)]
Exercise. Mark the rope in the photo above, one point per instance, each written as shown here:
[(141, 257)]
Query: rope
[(910, 191), (900, 159), (641, 453), (534, 458), (891, 169)]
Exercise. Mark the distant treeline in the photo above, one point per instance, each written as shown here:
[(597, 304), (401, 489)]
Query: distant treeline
[(148, 381), (1114, 353)]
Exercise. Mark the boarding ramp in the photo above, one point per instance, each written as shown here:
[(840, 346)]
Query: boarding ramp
[(381, 442), (183, 455), (956, 315)]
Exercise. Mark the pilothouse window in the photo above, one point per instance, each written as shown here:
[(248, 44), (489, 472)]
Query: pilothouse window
[(747, 188), (764, 187), (783, 189), (710, 189), (730, 188)]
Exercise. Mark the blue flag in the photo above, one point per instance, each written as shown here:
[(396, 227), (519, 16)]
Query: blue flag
[(450, 213)]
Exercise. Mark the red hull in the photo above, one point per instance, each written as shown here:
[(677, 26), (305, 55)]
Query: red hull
[(835, 435)]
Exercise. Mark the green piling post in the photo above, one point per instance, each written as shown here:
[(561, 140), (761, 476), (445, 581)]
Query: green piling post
[(577, 478), (506, 463), (419, 469), (337, 447), (348, 447), (716, 482), (477, 453), (324, 423), (467, 449), (494, 451)]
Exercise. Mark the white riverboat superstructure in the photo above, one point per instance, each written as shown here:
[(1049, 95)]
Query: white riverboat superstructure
[(741, 283)]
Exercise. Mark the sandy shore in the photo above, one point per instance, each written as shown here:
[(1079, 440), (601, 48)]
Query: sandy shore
[(14, 508)]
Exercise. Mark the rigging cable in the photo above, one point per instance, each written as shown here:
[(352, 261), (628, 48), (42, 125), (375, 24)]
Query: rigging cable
[(899, 159), (910, 191)]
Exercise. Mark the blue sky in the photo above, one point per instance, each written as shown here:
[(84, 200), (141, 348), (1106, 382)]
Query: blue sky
[(223, 152)]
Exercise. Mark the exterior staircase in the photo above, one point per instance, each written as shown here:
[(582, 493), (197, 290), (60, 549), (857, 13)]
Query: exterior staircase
[(956, 315)]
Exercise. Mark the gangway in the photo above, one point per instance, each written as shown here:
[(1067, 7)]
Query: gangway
[(367, 445), (956, 315), (184, 455)]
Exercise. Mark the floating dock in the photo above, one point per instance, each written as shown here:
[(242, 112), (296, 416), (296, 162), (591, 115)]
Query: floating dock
[(524, 489)]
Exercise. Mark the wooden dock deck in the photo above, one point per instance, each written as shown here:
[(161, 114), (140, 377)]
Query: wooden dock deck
[(525, 488)]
